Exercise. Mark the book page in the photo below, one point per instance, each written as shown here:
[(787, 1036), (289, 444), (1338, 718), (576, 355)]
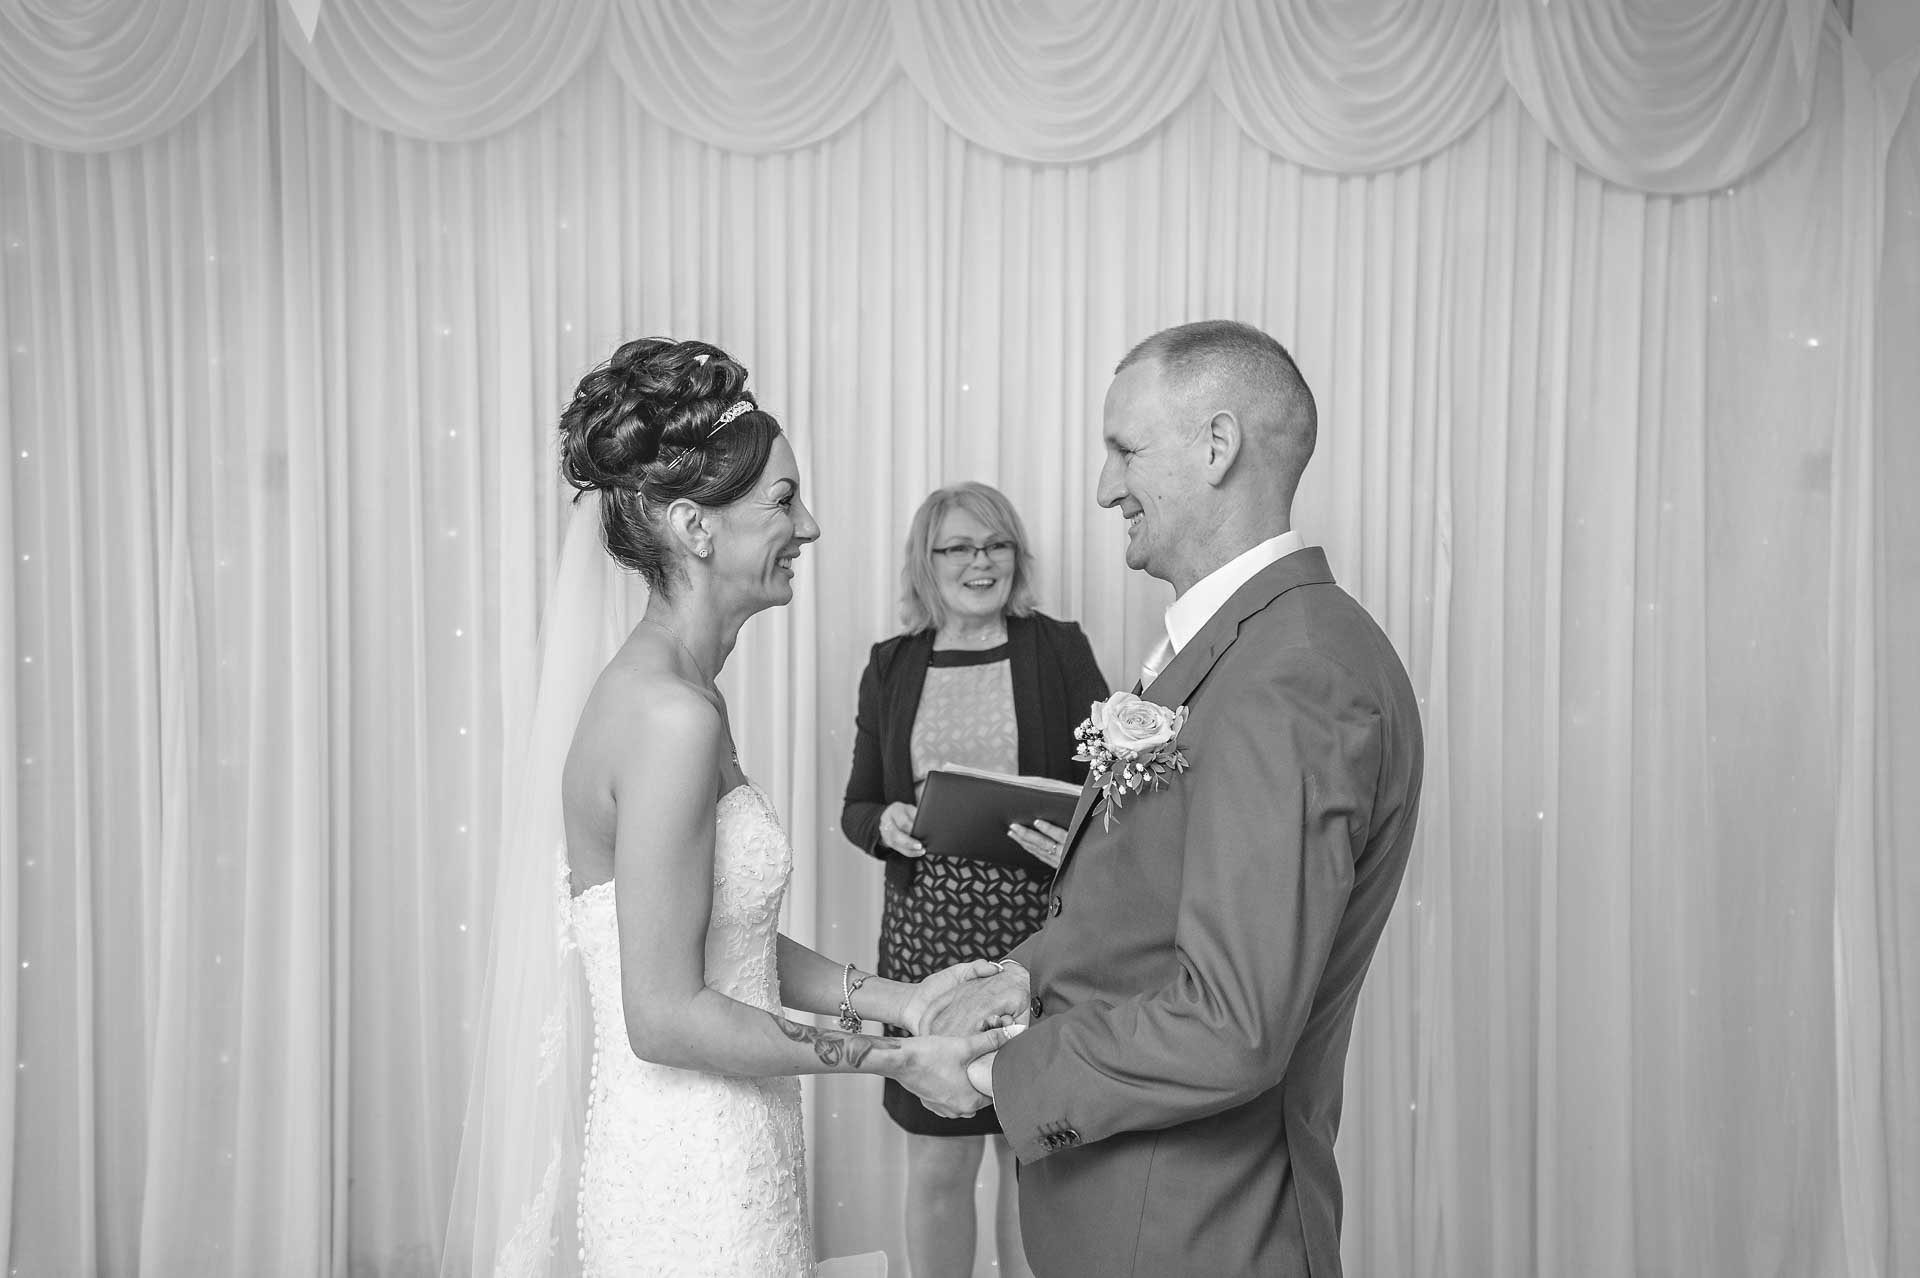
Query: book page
[(1045, 784)]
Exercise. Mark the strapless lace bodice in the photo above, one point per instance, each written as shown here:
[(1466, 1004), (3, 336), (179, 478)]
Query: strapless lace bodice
[(685, 1172)]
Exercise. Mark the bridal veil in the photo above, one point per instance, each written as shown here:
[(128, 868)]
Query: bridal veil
[(515, 1187)]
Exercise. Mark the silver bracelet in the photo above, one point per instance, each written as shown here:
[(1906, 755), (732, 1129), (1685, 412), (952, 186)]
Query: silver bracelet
[(849, 1020)]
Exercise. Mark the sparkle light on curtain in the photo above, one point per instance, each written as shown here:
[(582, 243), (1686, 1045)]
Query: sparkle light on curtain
[(1620, 471)]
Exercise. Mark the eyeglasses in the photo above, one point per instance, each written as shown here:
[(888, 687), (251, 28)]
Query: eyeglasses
[(962, 552)]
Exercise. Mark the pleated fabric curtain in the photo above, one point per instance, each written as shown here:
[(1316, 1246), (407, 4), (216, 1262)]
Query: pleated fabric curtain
[(1675, 98), (1616, 417)]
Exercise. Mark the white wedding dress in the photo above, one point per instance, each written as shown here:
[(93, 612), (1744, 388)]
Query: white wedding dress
[(686, 1173)]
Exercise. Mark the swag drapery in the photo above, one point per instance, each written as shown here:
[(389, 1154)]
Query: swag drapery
[(1673, 98), (1610, 309)]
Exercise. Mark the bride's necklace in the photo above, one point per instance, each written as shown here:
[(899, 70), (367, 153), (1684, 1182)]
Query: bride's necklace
[(675, 636), (733, 751)]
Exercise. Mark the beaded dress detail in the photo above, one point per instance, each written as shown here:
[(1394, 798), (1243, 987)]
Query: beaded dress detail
[(687, 1173)]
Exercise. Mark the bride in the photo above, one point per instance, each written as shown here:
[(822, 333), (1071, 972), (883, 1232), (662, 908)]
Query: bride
[(680, 1152)]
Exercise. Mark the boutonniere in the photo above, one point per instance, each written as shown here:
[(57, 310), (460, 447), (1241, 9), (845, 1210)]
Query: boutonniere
[(1130, 744)]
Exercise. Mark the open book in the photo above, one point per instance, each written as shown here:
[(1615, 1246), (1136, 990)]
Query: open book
[(966, 811)]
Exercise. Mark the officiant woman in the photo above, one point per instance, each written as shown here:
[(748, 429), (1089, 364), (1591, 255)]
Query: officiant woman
[(977, 677)]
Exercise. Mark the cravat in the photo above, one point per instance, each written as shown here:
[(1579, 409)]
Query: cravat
[(1156, 662)]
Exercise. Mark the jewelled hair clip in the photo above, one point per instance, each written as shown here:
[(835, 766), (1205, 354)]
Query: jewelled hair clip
[(739, 406)]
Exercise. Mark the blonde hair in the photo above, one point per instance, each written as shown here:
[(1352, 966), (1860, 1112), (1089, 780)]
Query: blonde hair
[(921, 607)]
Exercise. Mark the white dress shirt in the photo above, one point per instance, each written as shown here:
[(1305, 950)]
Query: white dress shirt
[(1195, 609)]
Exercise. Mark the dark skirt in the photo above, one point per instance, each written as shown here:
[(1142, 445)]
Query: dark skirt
[(953, 910)]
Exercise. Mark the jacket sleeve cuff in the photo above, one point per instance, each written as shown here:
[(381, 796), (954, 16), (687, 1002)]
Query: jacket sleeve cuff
[(1032, 1135)]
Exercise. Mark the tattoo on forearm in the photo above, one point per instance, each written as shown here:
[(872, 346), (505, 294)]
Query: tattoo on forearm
[(835, 1049)]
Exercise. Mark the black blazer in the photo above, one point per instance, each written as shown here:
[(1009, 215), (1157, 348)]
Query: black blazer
[(1055, 682)]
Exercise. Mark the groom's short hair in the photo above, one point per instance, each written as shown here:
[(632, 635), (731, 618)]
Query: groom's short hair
[(1229, 352)]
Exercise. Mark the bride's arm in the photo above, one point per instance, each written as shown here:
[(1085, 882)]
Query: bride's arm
[(667, 746), (812, 982)]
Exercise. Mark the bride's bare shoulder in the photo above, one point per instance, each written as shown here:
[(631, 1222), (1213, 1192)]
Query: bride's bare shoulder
[(642, 707), (639, 701), (643, 732)]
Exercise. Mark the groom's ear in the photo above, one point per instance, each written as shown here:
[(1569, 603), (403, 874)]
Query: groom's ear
[(1222, 438)]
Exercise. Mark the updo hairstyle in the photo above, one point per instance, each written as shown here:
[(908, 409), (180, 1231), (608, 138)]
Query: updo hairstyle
[(642, 430)]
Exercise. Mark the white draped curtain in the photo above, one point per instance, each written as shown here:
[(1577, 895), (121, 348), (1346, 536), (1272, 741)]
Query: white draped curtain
[(1612, 312)]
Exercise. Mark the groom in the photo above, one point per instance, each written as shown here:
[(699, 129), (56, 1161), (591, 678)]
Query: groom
[(1174, 1099)]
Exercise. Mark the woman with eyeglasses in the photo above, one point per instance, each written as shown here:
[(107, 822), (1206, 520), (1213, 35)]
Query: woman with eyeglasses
[(978, 678)]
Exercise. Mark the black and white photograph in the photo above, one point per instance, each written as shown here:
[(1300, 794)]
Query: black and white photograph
[(960, 639)]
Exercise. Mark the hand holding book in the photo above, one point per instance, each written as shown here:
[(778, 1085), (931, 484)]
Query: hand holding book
[(993, 816), (896, 829), (1043, 840)]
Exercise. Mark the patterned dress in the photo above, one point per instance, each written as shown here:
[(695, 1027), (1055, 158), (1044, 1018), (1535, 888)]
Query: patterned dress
[(957, 909), (690, 1174)]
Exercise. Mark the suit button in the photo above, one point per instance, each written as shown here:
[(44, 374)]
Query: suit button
[(1053, 907), (1069, 1137), (1035, 1006)]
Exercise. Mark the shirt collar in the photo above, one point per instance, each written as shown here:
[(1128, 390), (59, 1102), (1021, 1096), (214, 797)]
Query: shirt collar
[(1194, 609)]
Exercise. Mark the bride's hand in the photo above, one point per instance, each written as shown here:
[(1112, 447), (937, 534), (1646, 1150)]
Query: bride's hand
[(933, 994), (986, 1001), (936, 1069)]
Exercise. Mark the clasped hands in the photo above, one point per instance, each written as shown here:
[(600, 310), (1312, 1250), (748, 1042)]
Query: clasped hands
[(961, 1015)]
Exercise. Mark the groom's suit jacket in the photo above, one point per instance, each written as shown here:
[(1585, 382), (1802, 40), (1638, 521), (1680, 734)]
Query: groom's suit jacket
[(1174, 1101)]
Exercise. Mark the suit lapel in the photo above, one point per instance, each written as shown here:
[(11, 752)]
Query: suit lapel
[(1191, 665), (1088, 794)]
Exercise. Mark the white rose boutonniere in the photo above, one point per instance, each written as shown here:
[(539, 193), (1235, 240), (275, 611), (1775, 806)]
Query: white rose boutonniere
[(1130, 744)]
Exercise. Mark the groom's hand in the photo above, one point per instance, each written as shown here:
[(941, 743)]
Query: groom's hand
[(939, 1069), (980, 1072), (1000, 999)]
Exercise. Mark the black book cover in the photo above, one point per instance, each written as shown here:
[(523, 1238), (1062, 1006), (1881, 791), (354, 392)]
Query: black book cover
[(965, 812)]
